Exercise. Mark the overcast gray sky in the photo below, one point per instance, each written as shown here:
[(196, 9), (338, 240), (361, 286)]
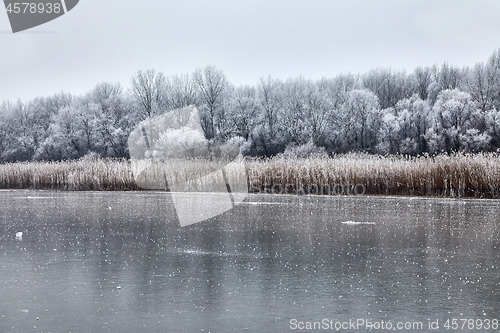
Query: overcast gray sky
[(109, 40)]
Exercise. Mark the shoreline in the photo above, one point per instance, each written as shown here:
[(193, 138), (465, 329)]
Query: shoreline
[(263, 195)]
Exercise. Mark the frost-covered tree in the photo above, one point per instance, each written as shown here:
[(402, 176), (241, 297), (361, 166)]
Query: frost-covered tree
[(319, 109), (361, 120), (104, 94), (105, 117), (336, 90), (434, 109), (480, 84), (493, 69), (305, 150), (404, 127), (457, 120), (148, 89), (243, 111), (212, 85), (390, 87), (181, 91), (422, 78), (113, 120), (64, 140), (23, 131), (492, 119), (447, 77), (178, 143), (98, 122), (294, 109), (267, 138)]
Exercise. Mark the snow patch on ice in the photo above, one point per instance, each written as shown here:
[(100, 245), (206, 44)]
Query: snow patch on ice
[(261, 203), (196, 252), (356, 223), (32, 197)]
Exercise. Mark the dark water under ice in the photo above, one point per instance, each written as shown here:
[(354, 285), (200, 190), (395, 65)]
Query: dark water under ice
[(119, 262)]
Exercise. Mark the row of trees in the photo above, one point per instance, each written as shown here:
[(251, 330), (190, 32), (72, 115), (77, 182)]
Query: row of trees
[(431, 110)]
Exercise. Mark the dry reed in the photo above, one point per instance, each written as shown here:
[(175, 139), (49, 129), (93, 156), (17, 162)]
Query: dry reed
[(79, 175), (475, 175)]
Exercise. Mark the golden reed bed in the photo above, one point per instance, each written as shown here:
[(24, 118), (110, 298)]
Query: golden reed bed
[(474, 175)]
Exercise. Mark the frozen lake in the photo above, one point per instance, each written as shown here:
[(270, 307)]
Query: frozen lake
[(119, 262)]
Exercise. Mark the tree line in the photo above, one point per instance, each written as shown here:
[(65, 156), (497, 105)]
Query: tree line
[(435, 109)]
